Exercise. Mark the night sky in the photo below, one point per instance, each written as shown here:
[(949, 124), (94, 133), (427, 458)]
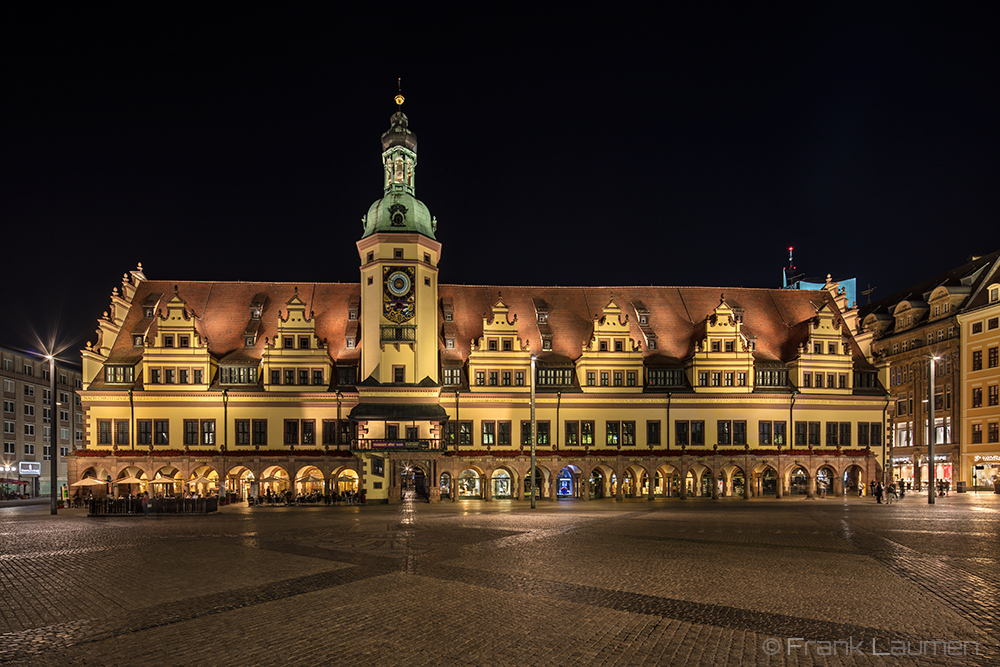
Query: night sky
[(680, 147)]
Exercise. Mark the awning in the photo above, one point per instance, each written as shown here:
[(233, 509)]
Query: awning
[(398, 411)]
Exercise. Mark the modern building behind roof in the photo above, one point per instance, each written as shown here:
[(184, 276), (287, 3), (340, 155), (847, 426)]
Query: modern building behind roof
[(400, 381)]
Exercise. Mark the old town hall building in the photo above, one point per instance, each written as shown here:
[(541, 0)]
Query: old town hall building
[(401, 382)]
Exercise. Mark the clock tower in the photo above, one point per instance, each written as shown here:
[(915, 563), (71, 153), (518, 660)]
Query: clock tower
[(399, 271)]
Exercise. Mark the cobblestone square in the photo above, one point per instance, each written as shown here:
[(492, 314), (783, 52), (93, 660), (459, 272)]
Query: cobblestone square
[(495, 583)]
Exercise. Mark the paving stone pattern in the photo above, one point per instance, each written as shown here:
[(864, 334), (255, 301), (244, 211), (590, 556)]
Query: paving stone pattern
[(697, 582)]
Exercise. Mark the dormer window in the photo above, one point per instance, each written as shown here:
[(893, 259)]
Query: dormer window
[(168, 341), (546, 344), (643, 320), (449, 316), (352, 316), (147, 312), (248, 341), (994, 294), (350, 342), (137, 341), (255, 313), (543, 318), (449, 343), (651, 344)]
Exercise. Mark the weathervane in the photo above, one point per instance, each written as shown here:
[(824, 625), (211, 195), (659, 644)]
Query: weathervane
[(399, 96), (868, 292)]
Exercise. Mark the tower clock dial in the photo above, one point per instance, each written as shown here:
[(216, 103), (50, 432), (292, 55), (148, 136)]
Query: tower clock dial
[(398, 283)]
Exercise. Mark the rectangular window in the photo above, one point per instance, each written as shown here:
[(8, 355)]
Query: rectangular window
[(572, 434), (243, 432), (977, 397), (121, 432), (169, 375), (208, 431), (697, 433), (525, 432), (465, 433), (308, 431), (103, 431), (190, 432), (994, 394), (814, 433), (494, 377), (681, 429), (801, 430), (29, 410), (605, 379), (807, 379), (303, 342), (9, 448), (489, 433), (8, 406), (993, 357), (480, 378), (741, 379), (260, 432), (503, 433), (317, 377), (449, 433), (716, 379), (291, 431), (275, 377), (725, 432), (613, 433), (977, 360), (630, 378), (289, 376), (303, 377), (182, 376), (780, 435), (587, 433), (764, 433), (845, 434), (453, 376), (505, 378), (863, 439), (329, 432), (161, 431), (652, 432), (977, 434), (198, 375), (168, 341), (29, 449), (832, 434), (618, 378), (729, 378), (628, 433), (591, 379), (994, 432), (145, 431), (543, 432)]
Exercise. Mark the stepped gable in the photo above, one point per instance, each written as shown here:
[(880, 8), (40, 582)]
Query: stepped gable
[(223, 309), (779, 319)]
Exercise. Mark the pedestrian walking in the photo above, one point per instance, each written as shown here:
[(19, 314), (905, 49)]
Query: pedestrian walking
[(145, 503), (878, 493)]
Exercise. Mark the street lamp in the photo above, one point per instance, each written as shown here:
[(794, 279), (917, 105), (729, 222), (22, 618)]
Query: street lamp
[(534, 427), (53, 438), (931, 434)]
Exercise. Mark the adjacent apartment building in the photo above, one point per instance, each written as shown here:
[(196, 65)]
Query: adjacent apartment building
[(948, 318), (28, 425), (399, 382)]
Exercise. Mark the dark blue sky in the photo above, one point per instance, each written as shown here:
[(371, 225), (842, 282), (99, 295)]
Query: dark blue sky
[(682, 147)]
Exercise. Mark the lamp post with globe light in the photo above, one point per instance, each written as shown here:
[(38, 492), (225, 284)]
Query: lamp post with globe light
[(931, 434), (53, 438)]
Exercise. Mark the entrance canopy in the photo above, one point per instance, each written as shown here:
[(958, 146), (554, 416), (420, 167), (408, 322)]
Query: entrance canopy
[(399, 412)]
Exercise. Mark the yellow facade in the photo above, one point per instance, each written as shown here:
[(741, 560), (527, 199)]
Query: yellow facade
[(400, 383)]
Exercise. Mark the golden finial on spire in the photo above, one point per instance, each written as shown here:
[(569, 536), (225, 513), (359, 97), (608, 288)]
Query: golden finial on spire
[(399, 96)]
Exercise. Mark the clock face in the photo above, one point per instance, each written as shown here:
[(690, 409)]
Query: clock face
[(398, 283), (398, 304)]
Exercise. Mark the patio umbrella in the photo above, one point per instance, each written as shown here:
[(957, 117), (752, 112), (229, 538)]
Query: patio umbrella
[(131, 480), (274, 479), (201, 480), (89, 481), (165, 480), (11, 481)]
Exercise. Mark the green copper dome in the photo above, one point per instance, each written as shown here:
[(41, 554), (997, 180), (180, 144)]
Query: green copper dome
[(399, 212)]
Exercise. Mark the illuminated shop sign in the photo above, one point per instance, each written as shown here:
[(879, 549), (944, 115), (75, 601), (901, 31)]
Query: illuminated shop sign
[(29, 468), (987, 457)]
